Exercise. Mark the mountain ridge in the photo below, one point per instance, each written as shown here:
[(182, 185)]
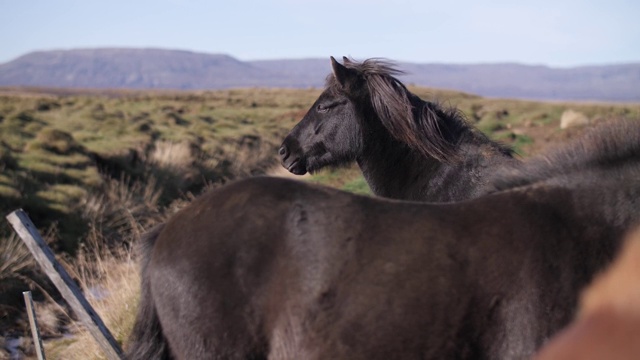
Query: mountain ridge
[(155, 68)]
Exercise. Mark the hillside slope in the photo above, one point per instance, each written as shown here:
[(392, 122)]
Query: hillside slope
[(174, 69)]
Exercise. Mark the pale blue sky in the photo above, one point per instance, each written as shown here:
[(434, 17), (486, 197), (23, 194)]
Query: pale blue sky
[(550, 32)]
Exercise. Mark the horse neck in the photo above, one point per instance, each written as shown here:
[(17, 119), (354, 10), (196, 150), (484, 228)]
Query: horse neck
[(394, 170)]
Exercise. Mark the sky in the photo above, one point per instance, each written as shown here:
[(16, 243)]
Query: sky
[(556, 33)]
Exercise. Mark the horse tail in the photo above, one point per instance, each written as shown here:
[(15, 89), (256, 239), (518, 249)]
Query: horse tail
[(146, 340)]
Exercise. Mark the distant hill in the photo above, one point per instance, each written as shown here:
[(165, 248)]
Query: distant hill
[(130, 68), (173, 69)]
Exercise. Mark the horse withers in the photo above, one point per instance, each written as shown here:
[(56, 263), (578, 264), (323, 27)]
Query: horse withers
[(407, 148), (273, 268)]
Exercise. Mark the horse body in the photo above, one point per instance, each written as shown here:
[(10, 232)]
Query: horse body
[(270, 268), (406, 148)]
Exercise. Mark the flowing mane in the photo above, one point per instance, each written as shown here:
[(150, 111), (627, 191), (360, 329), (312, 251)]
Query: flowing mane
[(409, 119), (606, 145)]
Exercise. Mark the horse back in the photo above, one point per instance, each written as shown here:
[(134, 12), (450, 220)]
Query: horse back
[(281, 269)]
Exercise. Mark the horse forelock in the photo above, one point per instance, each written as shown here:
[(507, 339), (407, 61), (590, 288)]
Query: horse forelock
[(608, 146), (408, 118)]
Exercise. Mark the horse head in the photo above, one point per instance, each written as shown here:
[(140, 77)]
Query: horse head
[(365, 106), (330, 132), (406, 147)]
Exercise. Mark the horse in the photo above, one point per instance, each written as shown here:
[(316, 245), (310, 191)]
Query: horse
[(608, 323), (270, 268), (407, 148)]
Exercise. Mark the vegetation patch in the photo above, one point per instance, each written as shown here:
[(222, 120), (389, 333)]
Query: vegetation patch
[(54, 140), (358, 186)]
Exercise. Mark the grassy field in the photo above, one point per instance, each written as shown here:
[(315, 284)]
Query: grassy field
[(58, 151), (94, 169)]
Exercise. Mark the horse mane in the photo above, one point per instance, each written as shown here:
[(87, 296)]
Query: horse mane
[(608, 145), (408, 118)]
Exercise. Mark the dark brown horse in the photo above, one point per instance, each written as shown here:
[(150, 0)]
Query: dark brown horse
[(273, 268), (407, 148)]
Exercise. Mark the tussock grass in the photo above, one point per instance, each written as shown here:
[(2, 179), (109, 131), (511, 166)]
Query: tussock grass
[(63, 194), (18, 273), (54, 140), (110, 281), (9, 192), (15, 258), (108, 273), (183, 140), (172, 155), (122, 211)]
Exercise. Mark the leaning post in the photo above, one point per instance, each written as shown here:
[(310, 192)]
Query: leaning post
[(33, 322), (64, 283)]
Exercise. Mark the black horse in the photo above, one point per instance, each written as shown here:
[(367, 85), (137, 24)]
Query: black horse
[(278, 269), (406, 148)]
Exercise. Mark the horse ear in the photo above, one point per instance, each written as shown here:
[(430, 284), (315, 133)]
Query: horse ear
[(343, 74), (346, 60)]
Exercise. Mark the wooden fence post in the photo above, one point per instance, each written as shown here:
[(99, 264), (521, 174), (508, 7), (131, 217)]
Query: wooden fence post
[(64, 283), (33, 322)]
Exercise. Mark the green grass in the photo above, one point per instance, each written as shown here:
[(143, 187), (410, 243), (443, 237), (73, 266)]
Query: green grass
[(85, 141), (518, 142), (57, 149), (62, 198), (9, 191), (348, 179), (357, 186)]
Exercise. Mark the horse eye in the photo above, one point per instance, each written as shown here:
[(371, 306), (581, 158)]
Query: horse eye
[(323, 108)]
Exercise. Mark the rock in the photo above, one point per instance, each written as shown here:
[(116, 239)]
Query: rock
[(572, 118)]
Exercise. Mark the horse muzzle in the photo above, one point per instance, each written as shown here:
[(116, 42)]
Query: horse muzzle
[(293, 163)]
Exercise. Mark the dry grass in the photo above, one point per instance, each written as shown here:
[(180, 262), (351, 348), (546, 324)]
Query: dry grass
[(109, 280), (119, 214), (18, 273), (106, 270), (15, 258), (177, 156), (113, 293)]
